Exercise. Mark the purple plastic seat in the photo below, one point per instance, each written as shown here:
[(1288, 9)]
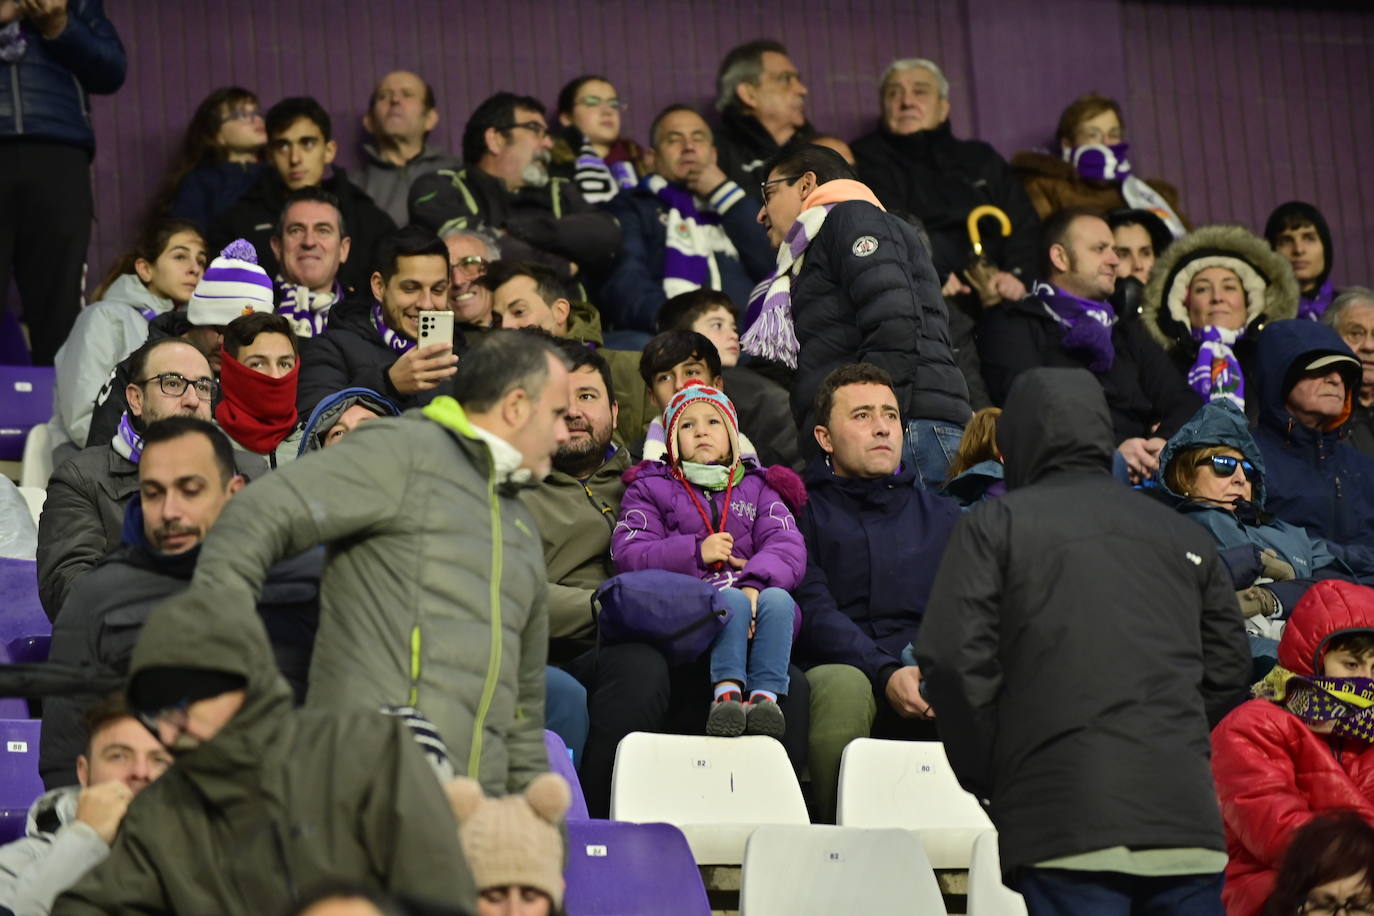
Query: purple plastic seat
[(616, 868), (19, 780), (21, 615), (25, 401), (560, 761)]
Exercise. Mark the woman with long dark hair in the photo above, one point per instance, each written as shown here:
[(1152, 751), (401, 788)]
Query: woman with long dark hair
[(219, 159)]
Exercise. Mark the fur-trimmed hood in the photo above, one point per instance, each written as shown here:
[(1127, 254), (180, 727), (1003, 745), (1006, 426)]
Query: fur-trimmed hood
[(1271, 290)]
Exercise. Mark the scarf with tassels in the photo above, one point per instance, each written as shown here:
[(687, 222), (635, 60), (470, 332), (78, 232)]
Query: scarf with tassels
[(692, 238), (127, 442), (1087, 325), (771, 333), (1346, 701), (308, 312), (389, 337), (1216, 374)]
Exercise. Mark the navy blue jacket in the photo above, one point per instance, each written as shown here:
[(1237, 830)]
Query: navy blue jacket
[(872, 549), (210, 189), (43, 94), (633, 294), (1315, 478)]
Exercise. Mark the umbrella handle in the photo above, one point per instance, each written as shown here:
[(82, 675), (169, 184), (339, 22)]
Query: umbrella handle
[(975, 235)]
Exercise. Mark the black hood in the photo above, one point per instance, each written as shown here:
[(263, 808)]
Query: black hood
[(1298, 212), (1055, 420)]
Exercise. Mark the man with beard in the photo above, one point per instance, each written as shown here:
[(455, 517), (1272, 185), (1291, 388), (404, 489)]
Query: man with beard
[(505, 187)]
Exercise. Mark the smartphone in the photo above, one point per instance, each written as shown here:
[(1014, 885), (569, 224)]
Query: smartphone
[(436, 327)]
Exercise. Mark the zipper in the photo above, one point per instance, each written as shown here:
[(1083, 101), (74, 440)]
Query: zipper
[(18, 100), (607, 513), (494, 653)]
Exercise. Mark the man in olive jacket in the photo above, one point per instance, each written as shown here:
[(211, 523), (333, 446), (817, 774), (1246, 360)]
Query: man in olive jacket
[(264, 802), (434, 588)]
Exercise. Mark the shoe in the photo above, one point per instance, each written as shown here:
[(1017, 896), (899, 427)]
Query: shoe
[(764, 717), (727, 718)]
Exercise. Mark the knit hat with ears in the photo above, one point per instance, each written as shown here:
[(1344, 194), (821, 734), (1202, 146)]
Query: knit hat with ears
[(233, 285), (513, 840), (691, 393)]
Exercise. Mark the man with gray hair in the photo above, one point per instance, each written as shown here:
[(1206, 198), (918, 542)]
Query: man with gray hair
[(470, 253), (762, 105), (434, 590), (1352, 315)]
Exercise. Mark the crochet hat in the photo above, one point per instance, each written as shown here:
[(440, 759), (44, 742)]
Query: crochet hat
[(691, 393), (233, 285), (513, 840)]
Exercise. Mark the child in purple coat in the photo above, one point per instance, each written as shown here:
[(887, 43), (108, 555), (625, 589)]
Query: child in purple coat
[(702, 513)]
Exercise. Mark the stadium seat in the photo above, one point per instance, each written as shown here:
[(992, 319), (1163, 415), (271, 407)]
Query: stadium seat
[(37, 464), (35, 497), (617, 869), (19, 780), (823, 869), (560, 762), (909, 785), (987, 895), (24, 629), (25, 404), (717, 790)]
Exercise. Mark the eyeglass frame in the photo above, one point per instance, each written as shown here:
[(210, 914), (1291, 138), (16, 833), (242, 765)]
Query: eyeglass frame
[(161, 379), (1246, 466), (1305, 908), (763, 185), (242, 114), (539, 129), (614, 102), (464, 263)]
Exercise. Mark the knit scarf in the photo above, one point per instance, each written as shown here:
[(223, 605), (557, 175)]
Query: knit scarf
[(771, 333), (308, 312), (13, 44), (257, 411), (1216, 374), (1087, 325), (127, 442), (692, 240), (713, 477), (1140, 196), (1313, 306), (596, 180), (389, 337), (1348, 701)]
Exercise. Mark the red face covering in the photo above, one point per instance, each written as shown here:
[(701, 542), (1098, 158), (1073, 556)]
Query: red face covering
[(257, 411)]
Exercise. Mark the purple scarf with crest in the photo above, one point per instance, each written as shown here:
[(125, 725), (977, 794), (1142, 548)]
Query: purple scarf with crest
[(389, 337), (1087, 325)]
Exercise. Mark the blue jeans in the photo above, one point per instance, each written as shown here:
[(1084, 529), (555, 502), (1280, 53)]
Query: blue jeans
[(768, 653), (565, 710), (1064, 892), (929, 447)]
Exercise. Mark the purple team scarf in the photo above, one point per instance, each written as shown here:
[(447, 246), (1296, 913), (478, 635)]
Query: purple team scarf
[(389, 337), (13, 44), (1099, 162), (127, 441), (299, 306), (1347, 701), (1216, 374), (770, 331), (1314, 306), (691, 239), (1087, 325)]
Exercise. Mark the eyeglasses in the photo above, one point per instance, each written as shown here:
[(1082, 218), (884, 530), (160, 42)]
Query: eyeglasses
[(472, 266), (174, 714), (538, 128), (763, 186), (596, 101), (1225, 466), (1351, 907), (174, 385), (241, 114)]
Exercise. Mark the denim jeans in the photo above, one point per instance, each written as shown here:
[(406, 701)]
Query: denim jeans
[(565, 710), (768, 653), (1063, 892), (929, 447)]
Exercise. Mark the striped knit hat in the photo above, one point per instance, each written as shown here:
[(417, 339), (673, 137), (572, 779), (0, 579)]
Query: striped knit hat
[(233, 285), (691, 393)]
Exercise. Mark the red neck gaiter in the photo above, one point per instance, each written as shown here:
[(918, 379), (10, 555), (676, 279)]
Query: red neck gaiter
[(257, 411)]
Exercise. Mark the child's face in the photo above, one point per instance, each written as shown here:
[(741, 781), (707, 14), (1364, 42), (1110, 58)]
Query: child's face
[(702, 435), (1344, 663), (718, 326), (667, 382)]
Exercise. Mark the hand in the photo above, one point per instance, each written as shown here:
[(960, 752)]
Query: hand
[(102, 807), (954, 286), (707, 178), (717, 547), (753, 595), (48, 16), (1275, 567), (1142, 456), (9, 11), (422, 368), (1257, 601), (1009, 286), (904, 694)]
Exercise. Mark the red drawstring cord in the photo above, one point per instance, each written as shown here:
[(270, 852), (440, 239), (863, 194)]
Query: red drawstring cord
[(705, 517)]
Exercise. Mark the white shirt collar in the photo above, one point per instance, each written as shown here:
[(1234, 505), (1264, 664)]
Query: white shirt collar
[(505, 457)]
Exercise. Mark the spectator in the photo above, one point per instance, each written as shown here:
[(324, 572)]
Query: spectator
[(261, 368), (748, 548), (514, 845), (1102, 797), (504, 186), (1352, 315), (470, 253), (1299, 232), (219, 160), (251, 774), (1318, 481), (185, 478), (589, 147), (349, 898), (838, 146), (1301, 748), (762, 105), (976, 472), (71, 828), (371, 339), (873, 543), (339, 414), (1207, 302), (311, 244), (686, 227), (865, 292), (1089, 169), (400, 116), (1140, 238), (1327, 868), (53, 55), (300, 150), (1068, 322), (914, 165), (438, 484), (158, 275)]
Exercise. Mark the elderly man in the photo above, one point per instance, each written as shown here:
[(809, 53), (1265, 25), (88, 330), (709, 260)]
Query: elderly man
[(311, 244), (916, 166), (399, 119), (470, 253), (762, 105), (1352, 315), (686, 227)]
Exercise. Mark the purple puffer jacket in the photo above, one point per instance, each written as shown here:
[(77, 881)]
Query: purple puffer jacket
[(660, 527)]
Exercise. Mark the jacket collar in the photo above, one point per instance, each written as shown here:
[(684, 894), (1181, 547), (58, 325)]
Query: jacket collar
[(504, 458)]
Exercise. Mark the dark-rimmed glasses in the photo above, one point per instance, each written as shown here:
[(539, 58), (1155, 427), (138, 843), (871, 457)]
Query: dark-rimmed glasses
[(763, 186), (539, 130), (174, 385)]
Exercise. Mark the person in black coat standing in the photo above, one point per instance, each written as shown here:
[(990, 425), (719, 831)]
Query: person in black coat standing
[(1079, 644)]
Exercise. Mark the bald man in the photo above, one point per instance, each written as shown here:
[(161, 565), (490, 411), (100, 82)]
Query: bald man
[(400, 116)]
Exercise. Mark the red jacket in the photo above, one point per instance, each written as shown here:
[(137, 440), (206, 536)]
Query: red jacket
[(1273, 773)]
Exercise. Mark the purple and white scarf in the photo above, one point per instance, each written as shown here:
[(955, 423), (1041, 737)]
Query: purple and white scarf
[(13, 44), (127, 442), (308, 312), (1087, 325), (692, 236), (1314, 306), (389, 337), (598, 182), (1216, 374), (770, 333)]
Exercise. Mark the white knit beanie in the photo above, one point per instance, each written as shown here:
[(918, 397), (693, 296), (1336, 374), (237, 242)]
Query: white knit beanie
[(233, 285)]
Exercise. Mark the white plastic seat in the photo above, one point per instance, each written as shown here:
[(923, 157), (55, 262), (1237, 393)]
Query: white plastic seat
[(987, 895), (716, 790), (35, 497), (909, 785), (823, 869), (36, 466)]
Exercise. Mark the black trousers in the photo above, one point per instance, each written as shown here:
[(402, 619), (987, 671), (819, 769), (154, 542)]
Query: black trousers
[(45, 227), (631, 688)]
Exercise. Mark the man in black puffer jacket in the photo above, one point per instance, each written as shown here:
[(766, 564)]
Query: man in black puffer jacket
[(854, 284)]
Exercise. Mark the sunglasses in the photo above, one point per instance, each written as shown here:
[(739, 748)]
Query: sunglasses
[(1225, 466)]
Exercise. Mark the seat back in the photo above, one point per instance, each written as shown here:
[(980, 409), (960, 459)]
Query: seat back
[(21, 614), (823, 869), (25, 403), (35, 497), (616, 868), (20, 784), (560, 762), (909, 784), (987, 895)]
